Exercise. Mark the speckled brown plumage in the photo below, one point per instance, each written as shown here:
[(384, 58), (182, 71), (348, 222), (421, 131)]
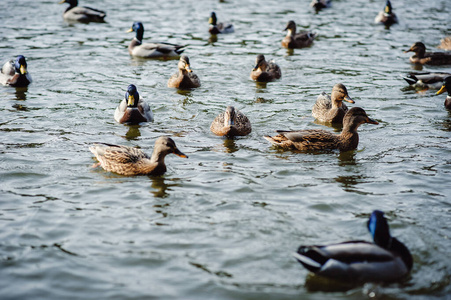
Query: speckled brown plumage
[(317, 139), (297, 40), (423, 57), (445, 43), (231, 123), (265, 71), (131, 161), (331, 109), (185, 78)]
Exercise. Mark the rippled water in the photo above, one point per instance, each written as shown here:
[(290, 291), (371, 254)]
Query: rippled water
[(223, 223)]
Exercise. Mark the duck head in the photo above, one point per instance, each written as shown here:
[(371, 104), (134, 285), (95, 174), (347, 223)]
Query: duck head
[(388, 8), (184, 64), (132, 96), (20, 65), (291, 27), (229, 116), (138, 27), (378, 227), (72, 3), (212, 20), (419, 48), (260, 62), (165, 145), (446, 87), (340, 93), (355, 117)]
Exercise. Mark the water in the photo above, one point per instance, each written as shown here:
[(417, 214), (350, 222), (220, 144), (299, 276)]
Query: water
[(223, 223)]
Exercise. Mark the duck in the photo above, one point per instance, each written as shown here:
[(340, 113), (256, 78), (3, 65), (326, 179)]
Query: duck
[(446, 88), (297, 40), (385, 260), (386, 16), (14, 73), (331, 109), (319, 139), (423, 57), (265, 71), (185, 78), (133, 109), (218, 28), (320, 4), (130, 161), (231, 123), (445, 43), (151, 50), (430, 80), (82, 14)]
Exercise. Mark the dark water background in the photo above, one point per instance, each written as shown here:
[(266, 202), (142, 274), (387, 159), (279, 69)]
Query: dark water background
[(223, 223)]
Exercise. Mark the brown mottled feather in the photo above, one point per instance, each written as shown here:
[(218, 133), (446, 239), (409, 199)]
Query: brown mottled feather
[(242, 125)]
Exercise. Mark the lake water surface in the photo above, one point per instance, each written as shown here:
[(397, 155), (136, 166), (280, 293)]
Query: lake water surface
[(223, 223)]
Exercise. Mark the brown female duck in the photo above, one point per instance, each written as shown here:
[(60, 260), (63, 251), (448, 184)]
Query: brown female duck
[(131, 161), (446, 88), (297, 40), (423, 57), (133, 109), (231, 123), (185, 78), (265, 71), (330, 109), (386, 16), (318, 139)]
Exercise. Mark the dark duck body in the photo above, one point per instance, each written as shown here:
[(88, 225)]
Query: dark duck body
[(133, 109), (14, 73), (219, 28), (386, 16)]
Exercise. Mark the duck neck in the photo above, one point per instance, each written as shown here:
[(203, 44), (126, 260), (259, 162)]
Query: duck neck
[(158, 157), (139, 35), (291, 32), (400, 249)]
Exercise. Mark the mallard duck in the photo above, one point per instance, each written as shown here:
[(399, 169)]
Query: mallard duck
[(231, 123), (217, 28), (331, 108), (386, 16), (385, 260), (423, 57), (82, 14), (445, 43), (446, 88), (131, 161), (297, 40), (151, 50), (430, 80), (14, 73), (265, 71), (320, 4), (185, 78), (133, 109), (318, 139)]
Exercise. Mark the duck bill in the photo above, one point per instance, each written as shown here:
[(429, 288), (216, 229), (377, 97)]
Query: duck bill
[(187, 68), (23, 69), (130, 30), (131, 100), (62, 1), (442, 90), (348, 99), (255, 68), (371, 121), (179, 153), (410, 49)]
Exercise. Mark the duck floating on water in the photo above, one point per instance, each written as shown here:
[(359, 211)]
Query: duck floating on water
[(386, 16), (131, 161), (431, 58), (297, 40), (265, 71), (446, 88), (151, 50), (231, 123), (430, 80), (133, 109), (15, 73), (82, 14), (320, 4), (185, 78), (331, 109), (385, 260), (218, 28), (318, 139)]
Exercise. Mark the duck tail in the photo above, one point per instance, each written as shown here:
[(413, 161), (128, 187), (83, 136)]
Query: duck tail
[(179, 49), (410, 79), (308, 262)]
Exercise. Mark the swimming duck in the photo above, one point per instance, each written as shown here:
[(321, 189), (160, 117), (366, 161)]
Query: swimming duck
[(331, 108), (133, 109), (445, 43), (385, 260), (423, 57), (386, 16), (265, 71), (151, 50), (446, 88), (318, 139), (82, 14), (131, 161), (297, 40), (231, 123), (185, 78), (217, 28), (431, 80), (14, 73), (320, 4)]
